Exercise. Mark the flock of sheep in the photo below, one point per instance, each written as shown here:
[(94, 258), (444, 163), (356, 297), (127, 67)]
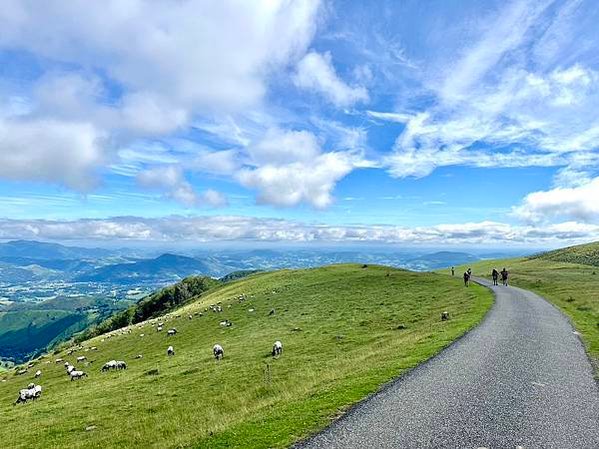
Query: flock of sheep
[(33, 391)]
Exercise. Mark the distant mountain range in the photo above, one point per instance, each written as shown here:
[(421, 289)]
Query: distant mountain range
[(440, 259), (168, 267), (49, 251)]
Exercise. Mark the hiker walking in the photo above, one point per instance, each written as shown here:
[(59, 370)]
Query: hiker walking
[(466, 279), (495, 275), (504, 276), (453, 271), (469, 272)]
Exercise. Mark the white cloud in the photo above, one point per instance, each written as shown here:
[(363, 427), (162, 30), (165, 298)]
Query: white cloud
[(316, 72), (289, 185), (491, 105), (162, 64), (279, 147), (225, 162), (234, 228), (171, 180), (49, 150), (578, 203), (289, 168)]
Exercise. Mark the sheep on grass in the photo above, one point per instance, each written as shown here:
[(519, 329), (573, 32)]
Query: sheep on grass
[(277, 348), (218, 352)]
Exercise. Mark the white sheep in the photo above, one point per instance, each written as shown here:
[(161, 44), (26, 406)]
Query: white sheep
[(170, 351), (121, 364), (38, 373), (226, 323), (76, 374), (81, 358), (109, 365), (171, 332), (277, 348), (32, 392), (159, 328), (70, 369), (218, 352)]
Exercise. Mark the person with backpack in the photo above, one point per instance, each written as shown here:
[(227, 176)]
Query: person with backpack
[(504, 276), (495, 275), (466, 279)]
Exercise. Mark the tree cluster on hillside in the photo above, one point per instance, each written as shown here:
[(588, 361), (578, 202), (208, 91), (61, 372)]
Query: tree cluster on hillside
[(153, 305), (240, 274)]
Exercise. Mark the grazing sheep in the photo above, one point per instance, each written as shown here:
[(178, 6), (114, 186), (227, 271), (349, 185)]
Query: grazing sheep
[(109, 365), (93, 348), (81, 358), (218, 352), (139, 356), (141, 335), (32, 392), (171, 332), (160, 324), (21, 372), (226, 323), (444, 316), (170, 351), (120, 365), (277, 348), (76, 374), (190, 317), (159, 328), (70, 369), (38, 373), (58, 360)]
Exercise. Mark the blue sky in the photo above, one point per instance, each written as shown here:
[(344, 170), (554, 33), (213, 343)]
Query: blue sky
[(411, 122)]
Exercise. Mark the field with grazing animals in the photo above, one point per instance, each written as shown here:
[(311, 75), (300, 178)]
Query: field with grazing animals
[(345, 330), (562, 278)]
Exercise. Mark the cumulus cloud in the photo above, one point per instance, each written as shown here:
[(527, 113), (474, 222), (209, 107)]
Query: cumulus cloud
[(139, 69), (233, 228), (50, 150), (316, 72), (289, 168), (171, 180), (578, 203)]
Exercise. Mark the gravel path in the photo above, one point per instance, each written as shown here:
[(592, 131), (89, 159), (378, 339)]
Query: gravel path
[(520, 379)]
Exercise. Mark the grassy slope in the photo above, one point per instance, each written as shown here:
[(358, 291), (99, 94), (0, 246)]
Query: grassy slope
[(349, 345), (574, 288)]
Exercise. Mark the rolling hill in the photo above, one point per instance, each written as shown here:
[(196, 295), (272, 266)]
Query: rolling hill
[(346, 330), (587, 254)]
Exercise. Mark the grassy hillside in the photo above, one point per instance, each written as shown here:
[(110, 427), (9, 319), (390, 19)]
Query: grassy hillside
[(574, 288), (582, 254), (345, 329)]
